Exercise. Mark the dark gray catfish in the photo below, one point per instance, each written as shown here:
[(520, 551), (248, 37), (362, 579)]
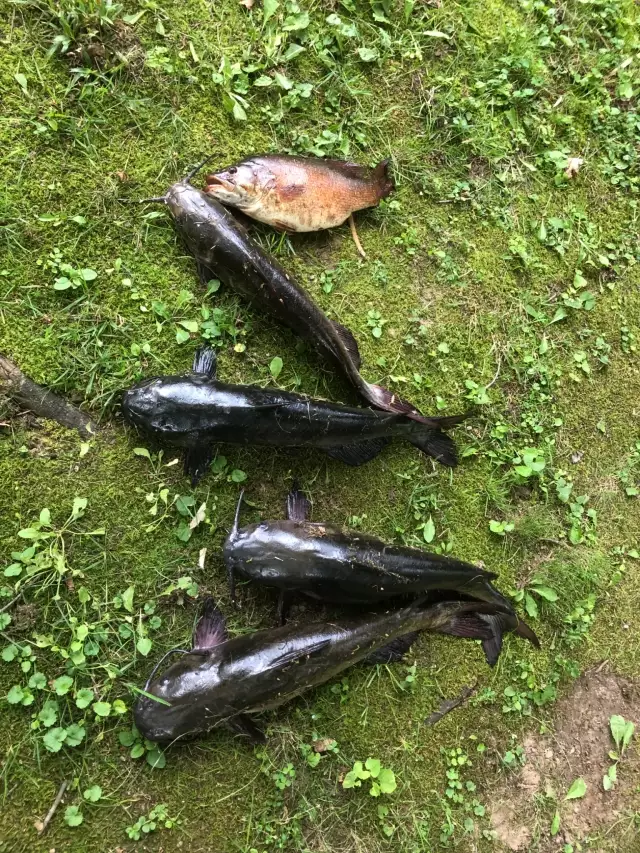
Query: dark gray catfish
[(348, 567), (195, 410), (224, 249), (220, 681)]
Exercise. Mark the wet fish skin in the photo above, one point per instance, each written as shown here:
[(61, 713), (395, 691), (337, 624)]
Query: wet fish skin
[(299, 193), (224, 249), (194, 411), (329, 564), (266, 669)]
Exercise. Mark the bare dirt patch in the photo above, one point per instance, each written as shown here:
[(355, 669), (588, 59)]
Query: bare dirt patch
[(521, 811)]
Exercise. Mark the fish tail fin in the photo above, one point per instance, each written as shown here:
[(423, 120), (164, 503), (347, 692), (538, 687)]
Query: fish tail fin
[(457, 618), (501, 623), (210, 629), (525, 631), (389, 401), (386, 184)]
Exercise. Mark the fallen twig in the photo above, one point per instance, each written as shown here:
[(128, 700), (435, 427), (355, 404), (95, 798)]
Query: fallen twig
[(356, 239), (40, 401), (450, 704), (42, 828)]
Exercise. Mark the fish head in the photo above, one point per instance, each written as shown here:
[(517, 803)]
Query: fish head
[(139, 403), (160, 406), (188, 204), (180, 702), (240, 185)]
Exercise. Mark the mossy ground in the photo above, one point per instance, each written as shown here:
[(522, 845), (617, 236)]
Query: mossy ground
[(479, 106)]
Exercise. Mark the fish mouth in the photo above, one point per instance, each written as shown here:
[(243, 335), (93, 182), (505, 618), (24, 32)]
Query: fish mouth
[(215, 181)]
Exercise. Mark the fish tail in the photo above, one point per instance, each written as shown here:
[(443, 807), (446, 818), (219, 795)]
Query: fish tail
[(386, 184), (388, 401), (433, 442), (501, 623)]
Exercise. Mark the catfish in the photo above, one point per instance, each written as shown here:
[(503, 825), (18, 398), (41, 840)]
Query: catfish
[(223, 681), (223, 249), (347, 567), (300, 194), (195, 410)]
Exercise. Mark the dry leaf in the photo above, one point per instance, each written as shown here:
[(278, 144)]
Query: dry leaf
[(324, 744), (122, 176), (198, 517), (247, 3), (39, 825), (201, 557), (573, 166)]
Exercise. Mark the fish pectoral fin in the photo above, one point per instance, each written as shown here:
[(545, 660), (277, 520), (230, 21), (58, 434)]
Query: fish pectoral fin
[(357, 454), (393, 651), (205, 361), (298, 654), (245, 726), (298, 505), (349, 342), (211, 629), (196, 461)]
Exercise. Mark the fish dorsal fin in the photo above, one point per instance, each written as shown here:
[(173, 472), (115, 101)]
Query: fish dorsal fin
[(205, 361), (349, 342), (297, 504), (211, 629)]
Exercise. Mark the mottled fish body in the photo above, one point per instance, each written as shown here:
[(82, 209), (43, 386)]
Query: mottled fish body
[(299, 193)]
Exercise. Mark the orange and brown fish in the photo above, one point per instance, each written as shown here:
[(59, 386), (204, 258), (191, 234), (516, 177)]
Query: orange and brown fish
[(300, 193)]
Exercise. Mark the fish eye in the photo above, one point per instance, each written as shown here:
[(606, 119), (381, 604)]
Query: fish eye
[(233, 170)]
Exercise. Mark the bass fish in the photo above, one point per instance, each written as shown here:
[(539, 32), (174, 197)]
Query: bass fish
[(222, 681), (328, 564), (194, 411), (300, 193), (223, 249)]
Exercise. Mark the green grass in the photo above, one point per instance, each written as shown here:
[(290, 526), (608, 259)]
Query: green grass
[(503, 284)]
